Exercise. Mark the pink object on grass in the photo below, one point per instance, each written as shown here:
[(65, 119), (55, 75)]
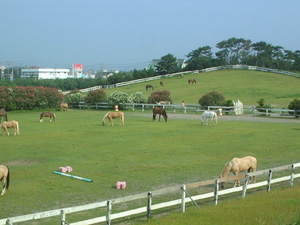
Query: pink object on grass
[(63, 169), (69, 168), (121, 185)]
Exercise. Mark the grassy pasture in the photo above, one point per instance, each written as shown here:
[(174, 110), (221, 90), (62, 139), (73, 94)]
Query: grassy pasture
[(246, 86), (148, 155)]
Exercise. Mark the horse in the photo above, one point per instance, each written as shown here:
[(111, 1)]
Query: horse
[(192, 81), (10, 124), (149, 86), (161, 84), (47, 114), (163, 103), (160, 111), (3, 114), (64, 106), (4, 177), (111, 116), (237, 165), (209, 115)]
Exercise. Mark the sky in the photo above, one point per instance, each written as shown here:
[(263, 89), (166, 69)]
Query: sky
[(127, 34)]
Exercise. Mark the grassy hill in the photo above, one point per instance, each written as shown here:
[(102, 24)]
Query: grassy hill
[(246, 86)]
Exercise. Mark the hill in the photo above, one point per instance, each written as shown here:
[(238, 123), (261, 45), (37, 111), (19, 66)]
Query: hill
[(247, 86)]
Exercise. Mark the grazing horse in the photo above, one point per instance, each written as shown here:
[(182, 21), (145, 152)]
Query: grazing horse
[(4, 177), (160, 111), (192, 81), (209, 115), (149, 86), (161, 84), (3, 114), (113, 115), (64, 106), (47, 114), (237, 165), (10, 124)]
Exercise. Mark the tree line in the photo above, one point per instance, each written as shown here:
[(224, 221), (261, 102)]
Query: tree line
[(229, 52)]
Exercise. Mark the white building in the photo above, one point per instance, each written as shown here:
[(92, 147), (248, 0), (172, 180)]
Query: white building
[(46, 73)]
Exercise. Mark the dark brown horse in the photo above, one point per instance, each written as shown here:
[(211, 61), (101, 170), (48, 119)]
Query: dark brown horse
[(149, 86), (192, 81), (3, 114), (160, 111), (161, 83)]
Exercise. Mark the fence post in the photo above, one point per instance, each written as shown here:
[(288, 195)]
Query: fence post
[(292, 176), (149, 205), (216, 191), (143, 107), (8, 222), (269, 180), (109, 207), (183, 187), (245, 186), (62, 217)]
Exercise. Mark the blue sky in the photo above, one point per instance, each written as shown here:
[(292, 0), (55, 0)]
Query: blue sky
[(128, 34)]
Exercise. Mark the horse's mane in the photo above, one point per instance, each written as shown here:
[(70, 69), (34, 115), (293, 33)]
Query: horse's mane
[(227, 169), (104, 118)]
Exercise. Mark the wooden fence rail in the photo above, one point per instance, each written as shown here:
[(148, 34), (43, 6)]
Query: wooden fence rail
[(183, 189)]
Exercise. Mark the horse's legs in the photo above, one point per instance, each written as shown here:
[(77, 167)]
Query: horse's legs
[(159, 117), (154, 116)]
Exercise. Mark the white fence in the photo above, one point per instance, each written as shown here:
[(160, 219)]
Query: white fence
[(148, 196)]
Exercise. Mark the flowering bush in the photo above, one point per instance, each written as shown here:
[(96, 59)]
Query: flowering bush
[(212, 98), (138, 97), (96, 96), (158, 96), (74, 98), (118, 97), (27, 98)]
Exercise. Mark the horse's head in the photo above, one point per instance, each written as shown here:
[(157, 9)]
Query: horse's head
[(165, 115)]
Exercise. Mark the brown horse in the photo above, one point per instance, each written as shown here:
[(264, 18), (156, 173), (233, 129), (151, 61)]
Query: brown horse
[(161, 84), (237, 165), (113, 115), (192, 81), (10, 124), (149, 86), (160, 111), (3, 114), (47, 114), (64, 106), (4, 177)]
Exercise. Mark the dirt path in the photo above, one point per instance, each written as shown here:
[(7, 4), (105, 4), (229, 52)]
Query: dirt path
[(248, 118)]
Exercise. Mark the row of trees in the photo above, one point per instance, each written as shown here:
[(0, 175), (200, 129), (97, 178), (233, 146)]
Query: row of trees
[(230, 52)]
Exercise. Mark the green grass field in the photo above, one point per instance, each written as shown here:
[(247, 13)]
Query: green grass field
[(147, 155), (246, 86)]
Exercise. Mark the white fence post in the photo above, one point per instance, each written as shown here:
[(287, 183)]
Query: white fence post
[(109, 208), (62, 217), (149, 205), (183, 198), (216, 191), (269, 180), (292, 176), (245, 186)]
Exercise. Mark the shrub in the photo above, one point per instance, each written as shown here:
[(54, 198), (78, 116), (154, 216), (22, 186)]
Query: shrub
[(295, 105), (212, 98), (118, 97), (138, 97), (262, 106), (74, 98), (96, 96), (158, 96)]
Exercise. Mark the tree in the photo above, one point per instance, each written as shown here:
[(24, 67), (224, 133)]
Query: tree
[(200, 58), (167, 64), (212, 98)]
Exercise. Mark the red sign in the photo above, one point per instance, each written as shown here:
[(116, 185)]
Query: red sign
[(78, 66)]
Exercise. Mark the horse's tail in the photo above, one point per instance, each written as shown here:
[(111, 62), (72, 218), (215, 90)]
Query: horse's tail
[(123, 118), (7, 179), (104, 118), (54, 117), (18, 130), (216, 118)]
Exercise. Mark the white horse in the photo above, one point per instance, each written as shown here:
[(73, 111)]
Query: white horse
[(206, 115)]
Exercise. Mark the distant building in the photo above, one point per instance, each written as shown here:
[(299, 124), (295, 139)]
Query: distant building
[(46, 73)]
